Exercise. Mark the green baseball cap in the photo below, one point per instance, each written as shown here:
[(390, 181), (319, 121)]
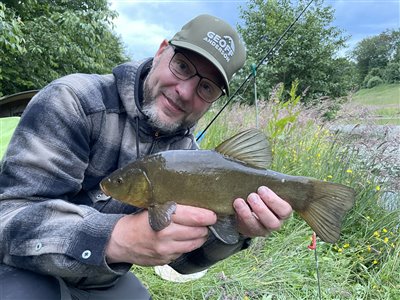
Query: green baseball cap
[(216, 40)]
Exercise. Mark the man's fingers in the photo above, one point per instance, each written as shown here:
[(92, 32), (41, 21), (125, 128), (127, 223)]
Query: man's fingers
[(265, 216), (248, 221), (193, 216), (277, 205)]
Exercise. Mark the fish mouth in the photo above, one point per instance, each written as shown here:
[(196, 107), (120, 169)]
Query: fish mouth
[(103, 189)]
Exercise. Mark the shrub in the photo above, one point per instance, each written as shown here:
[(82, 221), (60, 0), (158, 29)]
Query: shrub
[(374, 81)]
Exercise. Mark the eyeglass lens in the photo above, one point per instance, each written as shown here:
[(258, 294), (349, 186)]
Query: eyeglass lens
[(183, 69)]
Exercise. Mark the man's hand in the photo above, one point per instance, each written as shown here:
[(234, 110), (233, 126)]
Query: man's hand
[(134, 241), (263, 212)]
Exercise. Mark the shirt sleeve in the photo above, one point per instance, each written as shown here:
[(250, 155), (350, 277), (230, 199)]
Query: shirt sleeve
[(211, 252), (43, 168)]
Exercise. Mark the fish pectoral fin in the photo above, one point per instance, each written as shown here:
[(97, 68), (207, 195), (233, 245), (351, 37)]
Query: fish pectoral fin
[(226, 230), (160, 215), (250, 147)]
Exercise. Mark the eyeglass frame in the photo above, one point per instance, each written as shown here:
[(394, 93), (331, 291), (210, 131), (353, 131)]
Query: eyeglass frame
[(177, 51)]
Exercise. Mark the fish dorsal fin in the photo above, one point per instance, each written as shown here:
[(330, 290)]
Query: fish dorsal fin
[(250, 147)]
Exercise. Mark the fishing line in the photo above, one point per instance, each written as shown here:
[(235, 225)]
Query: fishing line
[(313, 247), (318, 279), (262, 61)]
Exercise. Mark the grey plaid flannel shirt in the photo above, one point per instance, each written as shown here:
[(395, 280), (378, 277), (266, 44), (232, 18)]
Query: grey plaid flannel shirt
[(74, 132)]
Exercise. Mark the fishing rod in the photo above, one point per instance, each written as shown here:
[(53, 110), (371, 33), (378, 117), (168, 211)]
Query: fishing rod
[(256, 67)]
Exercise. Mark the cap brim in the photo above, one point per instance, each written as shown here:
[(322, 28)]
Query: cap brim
[(208, 56)]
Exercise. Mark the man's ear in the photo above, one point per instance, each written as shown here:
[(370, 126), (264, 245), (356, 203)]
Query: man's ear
[(164, 44)]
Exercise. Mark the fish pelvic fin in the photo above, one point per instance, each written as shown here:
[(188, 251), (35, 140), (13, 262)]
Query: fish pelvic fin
[(326, 208), (250, 147), (160, 215), (226, 230)]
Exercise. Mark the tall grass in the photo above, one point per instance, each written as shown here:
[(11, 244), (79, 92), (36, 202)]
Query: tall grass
[(364, 264)]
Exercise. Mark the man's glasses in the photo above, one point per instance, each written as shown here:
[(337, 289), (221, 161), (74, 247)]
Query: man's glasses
[(184, 69)]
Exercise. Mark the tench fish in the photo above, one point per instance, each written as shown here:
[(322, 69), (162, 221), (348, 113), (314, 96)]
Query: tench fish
[(212, 179)]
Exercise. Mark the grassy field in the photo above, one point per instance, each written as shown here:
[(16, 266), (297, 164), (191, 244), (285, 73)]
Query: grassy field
[(381, 102), (363, 264)]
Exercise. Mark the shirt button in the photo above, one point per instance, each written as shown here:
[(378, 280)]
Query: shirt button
[(86, 254), (38, 246)]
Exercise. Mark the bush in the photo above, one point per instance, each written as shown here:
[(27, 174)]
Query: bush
[(374, 81), (391, 74)]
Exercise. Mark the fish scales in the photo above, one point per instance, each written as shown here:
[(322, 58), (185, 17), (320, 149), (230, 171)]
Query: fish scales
[(204, 178)]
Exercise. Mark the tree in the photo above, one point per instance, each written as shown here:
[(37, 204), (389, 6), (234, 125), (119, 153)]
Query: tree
[(375, 54), (53, 38), (307, 53)]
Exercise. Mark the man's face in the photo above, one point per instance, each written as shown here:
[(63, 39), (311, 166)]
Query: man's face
[(172, 103)]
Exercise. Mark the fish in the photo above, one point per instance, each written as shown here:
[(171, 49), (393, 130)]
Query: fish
[(213, 179)]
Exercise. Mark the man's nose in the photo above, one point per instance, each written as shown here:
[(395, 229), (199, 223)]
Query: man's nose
[(187, 88)]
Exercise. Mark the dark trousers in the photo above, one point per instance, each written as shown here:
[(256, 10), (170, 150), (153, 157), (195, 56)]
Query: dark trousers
[(18, 284)]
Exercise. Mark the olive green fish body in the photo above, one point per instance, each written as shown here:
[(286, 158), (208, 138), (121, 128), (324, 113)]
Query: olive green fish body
[(213, 179), (204, 178)]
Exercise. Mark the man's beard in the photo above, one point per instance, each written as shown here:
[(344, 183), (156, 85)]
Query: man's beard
[(150, 110)]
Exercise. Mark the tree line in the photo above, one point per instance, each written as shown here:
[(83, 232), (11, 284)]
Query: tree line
[(41, 40)]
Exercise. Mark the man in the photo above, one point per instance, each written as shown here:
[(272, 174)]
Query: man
[(61, 238)]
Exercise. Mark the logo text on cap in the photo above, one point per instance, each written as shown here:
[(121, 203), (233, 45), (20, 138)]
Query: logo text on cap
[(223, 44)]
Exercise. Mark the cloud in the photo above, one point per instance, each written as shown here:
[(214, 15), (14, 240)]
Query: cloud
[(140, 37)]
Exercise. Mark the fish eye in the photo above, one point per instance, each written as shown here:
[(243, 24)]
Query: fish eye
[(119, 180)]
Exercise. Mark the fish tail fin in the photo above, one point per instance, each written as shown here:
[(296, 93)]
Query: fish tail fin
[(326, 207)]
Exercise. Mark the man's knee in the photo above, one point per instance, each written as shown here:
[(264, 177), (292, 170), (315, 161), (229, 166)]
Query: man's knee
[(127, 287), (17, 284)]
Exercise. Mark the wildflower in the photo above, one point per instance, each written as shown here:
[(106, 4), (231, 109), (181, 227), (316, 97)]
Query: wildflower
[(384, 230), (386, 240), (369, 248), (349, 171), (375, 262), (340, 250), (329, 176), (377, 234), (377, 188), (346, 245)]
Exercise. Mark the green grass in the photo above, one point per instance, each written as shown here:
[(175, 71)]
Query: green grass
[(385, 94), (384, 102), (7, 126)]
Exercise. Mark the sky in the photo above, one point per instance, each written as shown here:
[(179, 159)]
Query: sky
[(143, 24)]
